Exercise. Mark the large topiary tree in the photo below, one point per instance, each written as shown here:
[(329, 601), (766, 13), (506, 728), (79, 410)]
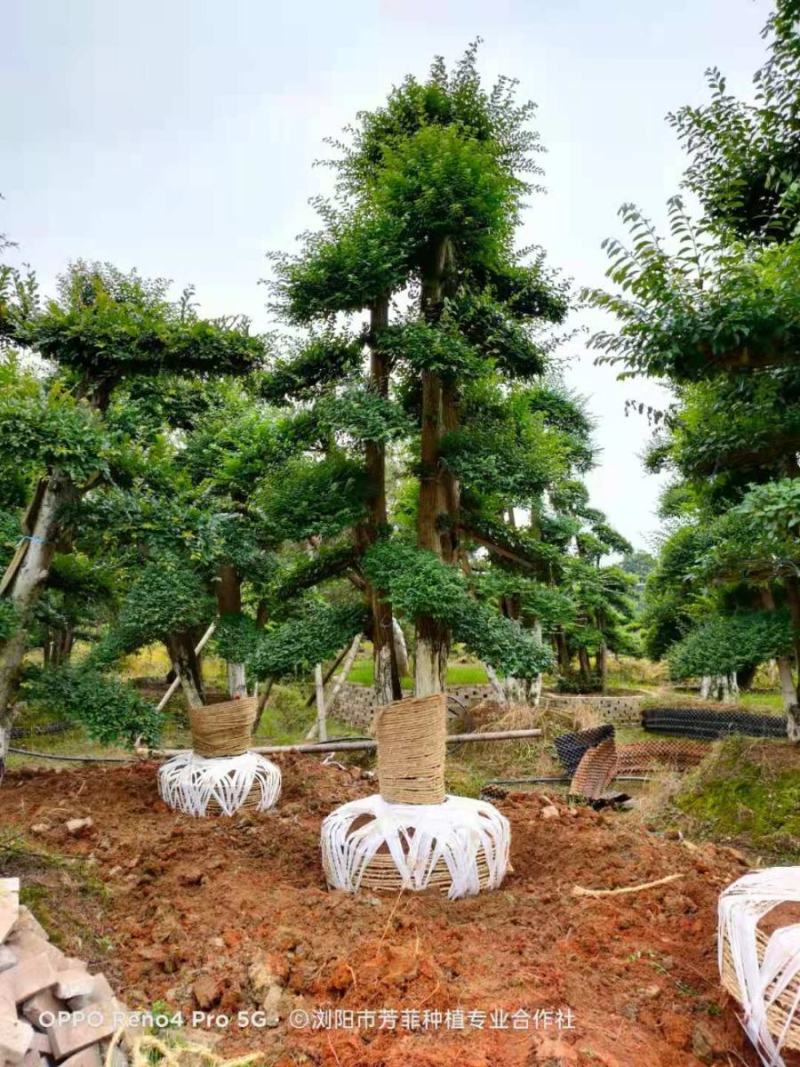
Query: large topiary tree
[(103, 329), (421, 236)]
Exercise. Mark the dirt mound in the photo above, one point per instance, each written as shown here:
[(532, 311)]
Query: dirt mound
[(231, 915)]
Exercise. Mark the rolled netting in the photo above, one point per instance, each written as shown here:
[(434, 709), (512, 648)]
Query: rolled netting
[(571, 748), (711, 724), (762, 971), (199, 786), (671, 754), (596, 771)]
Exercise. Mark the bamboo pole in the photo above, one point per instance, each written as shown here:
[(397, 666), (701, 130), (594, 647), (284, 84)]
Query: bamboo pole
[(322, 728), (176, 681), (340, 680), (367, 745)]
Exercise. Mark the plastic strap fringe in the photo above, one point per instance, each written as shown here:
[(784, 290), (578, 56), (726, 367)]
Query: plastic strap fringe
[(467, 835), (193, 784), (741, 906)]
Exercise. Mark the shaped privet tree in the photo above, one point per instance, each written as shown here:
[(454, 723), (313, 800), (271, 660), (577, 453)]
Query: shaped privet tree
[(718, 317), (102, 329), (429, 195)]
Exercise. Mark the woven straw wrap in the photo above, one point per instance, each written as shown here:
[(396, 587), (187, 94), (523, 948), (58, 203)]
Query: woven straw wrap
[(781, 1009), (223, 729), (381, 874), (412, 739)]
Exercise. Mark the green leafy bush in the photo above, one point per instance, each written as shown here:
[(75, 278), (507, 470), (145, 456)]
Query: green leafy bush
[(727, 644), (110, 710)]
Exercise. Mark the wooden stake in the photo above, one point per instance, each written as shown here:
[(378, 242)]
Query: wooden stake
[(176, 681), (340, 680), (322, 728)]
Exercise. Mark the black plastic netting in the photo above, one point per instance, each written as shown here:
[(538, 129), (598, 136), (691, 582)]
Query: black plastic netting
[(710, 724), (37, 731), (570, 748)]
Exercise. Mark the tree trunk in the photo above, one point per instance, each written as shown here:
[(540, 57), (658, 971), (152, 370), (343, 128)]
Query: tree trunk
[(497, 686), (186, 665), (5, 737), (585, 666), (786, 682), (435, 519), (400, 649), (319, 689), (24, 580), (562, 651), (430, 659), (783, 663), (793, 599), (386, 676), (536, 689), (229, 602), (601, 664)]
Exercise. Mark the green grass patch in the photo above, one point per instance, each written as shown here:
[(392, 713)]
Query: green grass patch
[(457, 674), (765, 702), (748, 791)]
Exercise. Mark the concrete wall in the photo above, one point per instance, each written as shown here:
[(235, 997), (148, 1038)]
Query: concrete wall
[(621, 710), (355, 705)]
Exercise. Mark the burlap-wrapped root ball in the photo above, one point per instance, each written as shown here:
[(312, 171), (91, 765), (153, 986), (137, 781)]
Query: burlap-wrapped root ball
[(414, 836), (219, 776), (199, 786), (460, 846)]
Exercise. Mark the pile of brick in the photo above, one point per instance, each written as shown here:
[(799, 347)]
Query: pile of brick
[(52, 1011)]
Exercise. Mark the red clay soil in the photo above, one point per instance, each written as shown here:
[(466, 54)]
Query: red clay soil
[(216, 911)]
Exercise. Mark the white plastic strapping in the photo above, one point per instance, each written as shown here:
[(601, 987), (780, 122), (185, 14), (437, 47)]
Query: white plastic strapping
[(189, 783), (417, 836), (741, 906)]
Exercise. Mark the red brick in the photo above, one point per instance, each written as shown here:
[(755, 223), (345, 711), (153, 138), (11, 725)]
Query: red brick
[(27, 921), (25, 941), (9, 906), (41, 1042), (8, 957), (101, 992), (74, 983)]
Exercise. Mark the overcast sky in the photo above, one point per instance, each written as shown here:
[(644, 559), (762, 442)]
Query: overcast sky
[(179, 136)]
